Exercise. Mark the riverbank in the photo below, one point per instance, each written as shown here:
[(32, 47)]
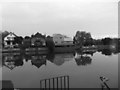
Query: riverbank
[(57, 49)]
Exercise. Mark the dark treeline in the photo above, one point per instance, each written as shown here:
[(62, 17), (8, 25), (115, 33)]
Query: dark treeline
[(85, 39), (81, 38)]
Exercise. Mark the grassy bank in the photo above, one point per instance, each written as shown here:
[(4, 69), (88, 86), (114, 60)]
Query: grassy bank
[(58, 49)]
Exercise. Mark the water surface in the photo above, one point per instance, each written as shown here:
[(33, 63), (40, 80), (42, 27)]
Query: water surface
[(26, 71)]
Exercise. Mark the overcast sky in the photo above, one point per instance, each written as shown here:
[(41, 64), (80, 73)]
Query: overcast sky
[(100, 18)]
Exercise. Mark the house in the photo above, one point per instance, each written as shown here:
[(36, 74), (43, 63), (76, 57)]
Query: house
[(60, 39), (68, 41), (38, 40), (9, 40)]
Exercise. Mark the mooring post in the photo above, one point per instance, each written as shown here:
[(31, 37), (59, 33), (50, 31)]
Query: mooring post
[(68, 81), (64, 82)]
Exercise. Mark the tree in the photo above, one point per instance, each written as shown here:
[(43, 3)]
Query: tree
[(4, 34), (26, 42), (18, 40), (81, 37), (50, 44), (106, 41)]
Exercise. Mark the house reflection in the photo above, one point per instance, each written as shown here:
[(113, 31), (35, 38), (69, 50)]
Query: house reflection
[(11, 61), (83, 60), (38, 60), (60, 59)]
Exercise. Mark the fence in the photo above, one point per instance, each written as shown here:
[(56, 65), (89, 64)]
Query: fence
[(56, 83)]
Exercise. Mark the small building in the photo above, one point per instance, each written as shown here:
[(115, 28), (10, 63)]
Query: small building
[(68, 41), (38, 40), (60, 39), (9, 40)]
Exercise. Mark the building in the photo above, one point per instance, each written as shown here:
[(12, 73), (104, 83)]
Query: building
[(9, 40), (38, 40), (68, 41), (60, 39)]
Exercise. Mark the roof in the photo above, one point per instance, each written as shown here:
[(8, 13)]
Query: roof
[(10, 34), (38, 35)]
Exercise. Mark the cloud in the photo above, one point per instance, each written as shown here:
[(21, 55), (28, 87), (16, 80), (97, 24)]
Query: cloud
[(60, 17)]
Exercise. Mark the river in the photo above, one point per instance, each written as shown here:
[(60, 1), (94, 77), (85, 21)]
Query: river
[(26, 71)]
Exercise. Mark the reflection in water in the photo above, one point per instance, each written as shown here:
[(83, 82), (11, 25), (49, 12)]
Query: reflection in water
[(109, 52), (50, 57), (11, 61), (83, 60), (38, 60), (14, 60), (60, 59)]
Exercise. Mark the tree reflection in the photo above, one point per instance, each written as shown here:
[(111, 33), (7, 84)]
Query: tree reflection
[(83, 60), (38, 60), (50, 56), (109, 52)]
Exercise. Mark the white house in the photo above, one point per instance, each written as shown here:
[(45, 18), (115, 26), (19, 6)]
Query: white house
[(60, 39), (68, 41), (9, 40)]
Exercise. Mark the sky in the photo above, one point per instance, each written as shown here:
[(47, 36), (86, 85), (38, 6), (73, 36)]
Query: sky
[(99, 17)]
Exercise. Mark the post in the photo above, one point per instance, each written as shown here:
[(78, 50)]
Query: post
[(40, 84), (61, 81), (64, 82), (68, 81), (57, 83), (45, 84), (53, 83), (49, 84)]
